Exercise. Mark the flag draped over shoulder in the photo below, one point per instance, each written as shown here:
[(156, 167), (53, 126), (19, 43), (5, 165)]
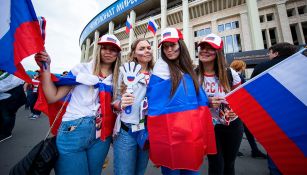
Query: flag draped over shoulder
[(20, 35), (273, 107), (105, 96), (180, 127)]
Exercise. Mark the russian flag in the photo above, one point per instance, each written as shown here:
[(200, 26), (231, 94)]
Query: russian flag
[(20, 35), (152, 26), (105, 96), (180, 127), (128, 25), (273, 107)]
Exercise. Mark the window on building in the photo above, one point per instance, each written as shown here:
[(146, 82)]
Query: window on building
[(228, 26), (235, 24), (290, 12), (293, 28), (270, 17), (304, 26), (261, 18), (223, 38), (229, 44), (301, 10), (264, 39), (237, 43), (273, 36), (207, 31), (220, 27)]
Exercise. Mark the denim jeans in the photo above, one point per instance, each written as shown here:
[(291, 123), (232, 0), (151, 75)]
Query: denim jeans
[(80, 153), (167, 171), (272, 167), (129, 158)]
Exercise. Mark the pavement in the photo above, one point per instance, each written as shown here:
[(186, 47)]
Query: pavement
[(28, 132)]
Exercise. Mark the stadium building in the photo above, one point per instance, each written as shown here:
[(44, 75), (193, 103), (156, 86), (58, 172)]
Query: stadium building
[(244, 25)]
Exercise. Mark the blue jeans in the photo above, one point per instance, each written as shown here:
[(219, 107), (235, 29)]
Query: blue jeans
[(80, 153), (168, 171), (129, 158)]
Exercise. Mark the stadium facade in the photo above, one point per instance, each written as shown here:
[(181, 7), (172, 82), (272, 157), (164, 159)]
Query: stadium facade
[(244, 25)]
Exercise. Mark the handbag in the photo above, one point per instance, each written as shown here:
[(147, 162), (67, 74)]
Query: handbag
[(42, 158)]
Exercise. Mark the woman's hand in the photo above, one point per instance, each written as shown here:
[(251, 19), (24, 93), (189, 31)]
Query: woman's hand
[(215, 102), (42, 58), (127, 100), (229, 114)]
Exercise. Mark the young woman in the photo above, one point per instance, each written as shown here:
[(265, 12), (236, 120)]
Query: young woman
[(213, 76), (129, 157), (80, 150), (178, 136)]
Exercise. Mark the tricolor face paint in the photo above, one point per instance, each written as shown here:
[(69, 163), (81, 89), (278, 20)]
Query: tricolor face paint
[(171, 50)]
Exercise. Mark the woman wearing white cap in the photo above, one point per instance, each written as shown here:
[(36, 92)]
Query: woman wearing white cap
[(81, 151), (217, 81), (130, 154), (180, 135)]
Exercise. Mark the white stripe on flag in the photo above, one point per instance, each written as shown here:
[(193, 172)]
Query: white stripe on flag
[(292, 74), (5, 17)]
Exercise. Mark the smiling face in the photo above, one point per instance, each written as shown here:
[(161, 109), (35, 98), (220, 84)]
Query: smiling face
[(143, 52), (108, 53), (171, 50), (206, 53)]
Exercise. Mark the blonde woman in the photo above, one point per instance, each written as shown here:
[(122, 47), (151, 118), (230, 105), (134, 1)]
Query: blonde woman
[(80, 150)]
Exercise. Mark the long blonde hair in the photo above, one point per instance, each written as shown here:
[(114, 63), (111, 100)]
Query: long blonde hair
[(115, 69)]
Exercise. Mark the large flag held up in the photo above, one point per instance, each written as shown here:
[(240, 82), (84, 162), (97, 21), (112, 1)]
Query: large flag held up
[(273, 107), (105, 97), (180, 127), (20, 35), (128, 25)]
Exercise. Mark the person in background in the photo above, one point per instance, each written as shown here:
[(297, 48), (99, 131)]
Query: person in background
[(129, 157), (277, 53), (239, 66), (12, 97), (33, 96), (215, 79), (81, 150)]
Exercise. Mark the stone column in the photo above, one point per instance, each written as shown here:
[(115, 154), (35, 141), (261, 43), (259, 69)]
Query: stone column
[(254, 22), (245, 37), (111, 27), (87, 49), (82, 53), (131, 34), (284, 22), (95, 45), (163, 14)]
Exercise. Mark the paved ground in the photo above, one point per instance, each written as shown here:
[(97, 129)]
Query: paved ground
[(29, 132)]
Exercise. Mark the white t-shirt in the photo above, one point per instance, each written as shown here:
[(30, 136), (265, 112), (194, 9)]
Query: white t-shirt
[(84, 98), (214, 89)]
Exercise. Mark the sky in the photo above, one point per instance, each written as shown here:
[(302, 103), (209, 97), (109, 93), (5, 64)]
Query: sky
[(65, 21)]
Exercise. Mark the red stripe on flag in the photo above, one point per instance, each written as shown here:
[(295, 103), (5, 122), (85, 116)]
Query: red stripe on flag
[(183, 138), (108, 117), (285, 154), (28, 41)]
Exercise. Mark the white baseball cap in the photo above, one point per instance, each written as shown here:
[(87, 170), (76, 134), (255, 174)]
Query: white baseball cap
[(214, 40), (170, 35), (109, 39)]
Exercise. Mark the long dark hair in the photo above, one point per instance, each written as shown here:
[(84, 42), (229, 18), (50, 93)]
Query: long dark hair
[(219, 69), (183, 64)]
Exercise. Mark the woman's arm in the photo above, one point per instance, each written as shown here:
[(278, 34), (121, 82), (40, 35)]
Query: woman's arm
[(51, 92)]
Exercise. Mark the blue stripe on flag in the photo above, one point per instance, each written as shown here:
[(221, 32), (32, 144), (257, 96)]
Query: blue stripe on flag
[(289, 113)]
